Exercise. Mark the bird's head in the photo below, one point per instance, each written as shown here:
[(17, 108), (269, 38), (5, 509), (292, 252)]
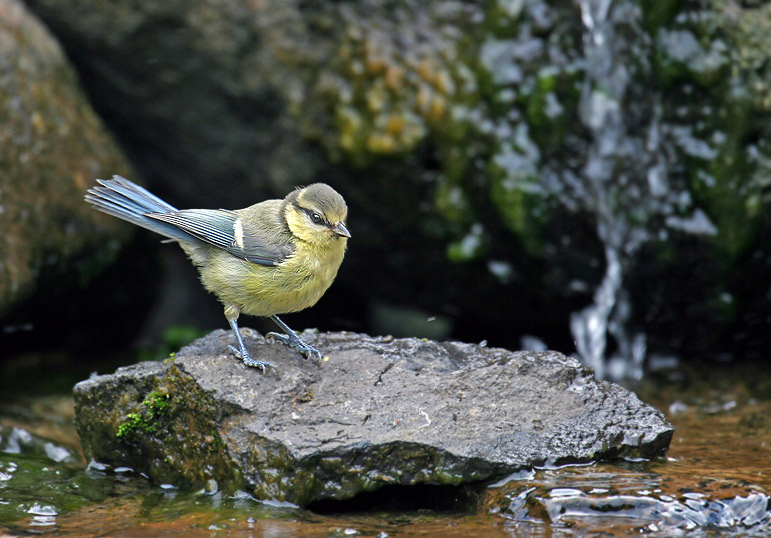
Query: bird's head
[(316, 214)]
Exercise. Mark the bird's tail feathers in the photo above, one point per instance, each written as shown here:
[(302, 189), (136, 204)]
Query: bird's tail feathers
[(126, 200)]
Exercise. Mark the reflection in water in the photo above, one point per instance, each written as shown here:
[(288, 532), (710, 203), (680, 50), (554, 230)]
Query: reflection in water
[(715, 481), (615, 503)]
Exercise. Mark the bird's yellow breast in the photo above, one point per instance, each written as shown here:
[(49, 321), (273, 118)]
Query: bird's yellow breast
[(295, 284)]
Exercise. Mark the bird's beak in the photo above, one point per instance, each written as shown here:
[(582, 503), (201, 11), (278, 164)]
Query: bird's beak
[(341, 230)]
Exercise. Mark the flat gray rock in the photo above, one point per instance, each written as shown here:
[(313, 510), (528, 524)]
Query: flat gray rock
[(379, 411)]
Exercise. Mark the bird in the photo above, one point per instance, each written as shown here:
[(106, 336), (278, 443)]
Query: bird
[(274, 257)]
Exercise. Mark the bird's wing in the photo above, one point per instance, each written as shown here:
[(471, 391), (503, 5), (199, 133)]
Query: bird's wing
[(223, 228)]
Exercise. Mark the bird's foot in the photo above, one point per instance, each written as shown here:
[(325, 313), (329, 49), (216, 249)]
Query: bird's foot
[(244, 355), (294, 341)]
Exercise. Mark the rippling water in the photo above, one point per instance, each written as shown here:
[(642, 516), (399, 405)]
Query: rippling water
[(715, 481)]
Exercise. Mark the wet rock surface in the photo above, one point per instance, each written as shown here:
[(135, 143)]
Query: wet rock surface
[(379, 411)]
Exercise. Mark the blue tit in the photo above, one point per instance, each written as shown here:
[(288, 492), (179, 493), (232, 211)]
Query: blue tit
[(274, 257)]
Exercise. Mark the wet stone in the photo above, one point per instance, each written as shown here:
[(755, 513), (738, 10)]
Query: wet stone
[(379, 412)]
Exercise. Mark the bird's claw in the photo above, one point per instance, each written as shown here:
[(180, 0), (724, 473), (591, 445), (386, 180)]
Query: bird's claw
[(307, 350), (248, 360)]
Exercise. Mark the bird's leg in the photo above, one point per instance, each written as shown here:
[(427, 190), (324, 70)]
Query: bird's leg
[(242, 353), (291, 339)]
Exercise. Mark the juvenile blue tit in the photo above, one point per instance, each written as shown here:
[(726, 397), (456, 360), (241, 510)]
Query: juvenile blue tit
[(275, 257)]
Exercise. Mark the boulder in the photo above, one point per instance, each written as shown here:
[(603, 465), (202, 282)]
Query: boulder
[(52, 145), (376, 412)]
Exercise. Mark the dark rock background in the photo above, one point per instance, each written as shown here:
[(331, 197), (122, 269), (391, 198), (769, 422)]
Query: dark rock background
[(52, 144), (456, 132)]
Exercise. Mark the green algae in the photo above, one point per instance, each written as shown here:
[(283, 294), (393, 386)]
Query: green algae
[(161, 426), (155, 407), (174, 440), (133, 422)]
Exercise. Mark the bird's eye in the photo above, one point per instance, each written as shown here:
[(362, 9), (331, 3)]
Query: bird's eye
[(316, 218)]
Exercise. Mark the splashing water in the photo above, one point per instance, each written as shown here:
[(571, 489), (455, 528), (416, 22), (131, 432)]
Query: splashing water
[(623, 169), (623, 164)]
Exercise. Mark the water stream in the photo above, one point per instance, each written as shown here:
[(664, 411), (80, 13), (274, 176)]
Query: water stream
[(615, 174), (620, 167), (715, 481), (626, 182)]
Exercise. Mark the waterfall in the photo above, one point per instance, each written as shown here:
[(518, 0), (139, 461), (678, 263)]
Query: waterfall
[(612, 190), (621, 162)]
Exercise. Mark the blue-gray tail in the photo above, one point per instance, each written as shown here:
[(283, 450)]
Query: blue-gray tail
[(126, 200)]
